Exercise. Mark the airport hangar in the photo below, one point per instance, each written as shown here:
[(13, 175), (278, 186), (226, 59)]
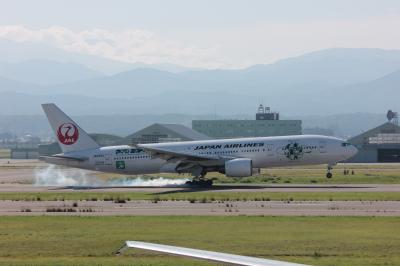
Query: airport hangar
[(378, 145)]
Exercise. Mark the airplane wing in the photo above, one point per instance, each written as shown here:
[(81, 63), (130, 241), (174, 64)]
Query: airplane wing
[(169, 155), (207, 255)]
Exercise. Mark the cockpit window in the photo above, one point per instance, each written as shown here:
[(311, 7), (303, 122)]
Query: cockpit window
[(345, 144)]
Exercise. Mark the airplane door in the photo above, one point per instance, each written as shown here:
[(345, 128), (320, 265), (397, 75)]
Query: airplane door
[(322, 146), (270, 149), (107, 159)]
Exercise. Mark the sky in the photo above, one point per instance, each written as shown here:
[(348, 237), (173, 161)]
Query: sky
[(202, 33)]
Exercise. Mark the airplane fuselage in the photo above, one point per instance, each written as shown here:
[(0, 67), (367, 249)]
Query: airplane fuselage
[(263, 152)]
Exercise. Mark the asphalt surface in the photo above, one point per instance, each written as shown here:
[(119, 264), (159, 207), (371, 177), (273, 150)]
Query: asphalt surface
[(216, 188), (148, 208), (19, 176)]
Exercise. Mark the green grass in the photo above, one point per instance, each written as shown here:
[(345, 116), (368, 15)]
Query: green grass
[(201, 196), (52, 240)]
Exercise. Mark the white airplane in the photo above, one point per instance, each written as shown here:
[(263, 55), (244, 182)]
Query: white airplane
[(240, 157)]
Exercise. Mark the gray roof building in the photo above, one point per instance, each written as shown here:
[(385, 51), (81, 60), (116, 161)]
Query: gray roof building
[(380, 144), (157, 132)]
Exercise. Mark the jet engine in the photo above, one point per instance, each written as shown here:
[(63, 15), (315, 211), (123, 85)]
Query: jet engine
[(240, 167)]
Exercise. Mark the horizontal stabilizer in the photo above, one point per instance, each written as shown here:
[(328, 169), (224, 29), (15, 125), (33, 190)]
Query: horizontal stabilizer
[(62, 157)]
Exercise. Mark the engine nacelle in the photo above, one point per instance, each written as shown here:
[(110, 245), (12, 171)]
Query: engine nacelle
[(240, 167)]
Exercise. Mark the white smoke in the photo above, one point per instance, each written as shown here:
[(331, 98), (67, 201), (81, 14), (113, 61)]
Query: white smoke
[(145, 182), (56, 176)]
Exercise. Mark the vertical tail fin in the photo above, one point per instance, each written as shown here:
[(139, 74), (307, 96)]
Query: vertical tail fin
[(69, 135)]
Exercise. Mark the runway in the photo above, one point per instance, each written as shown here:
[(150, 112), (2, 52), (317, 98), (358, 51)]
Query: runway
[(216, 188), (234, 208), (18, 176)]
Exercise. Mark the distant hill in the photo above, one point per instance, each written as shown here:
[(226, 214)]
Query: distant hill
[(46, 72), (379, 94), (15, 52), (343, 125), (132, 84), (331, 67), (314, 72), (324, 82), (16, 86)]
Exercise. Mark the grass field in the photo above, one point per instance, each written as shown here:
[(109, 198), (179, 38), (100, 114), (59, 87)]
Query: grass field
[(46, 240), (203, 196)]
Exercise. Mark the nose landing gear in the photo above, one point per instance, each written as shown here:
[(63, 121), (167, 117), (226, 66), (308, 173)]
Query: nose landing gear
[(329, 172)]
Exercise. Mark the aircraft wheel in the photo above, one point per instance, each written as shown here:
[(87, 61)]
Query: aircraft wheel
[(208, 183), (200, 183), (328, 175)]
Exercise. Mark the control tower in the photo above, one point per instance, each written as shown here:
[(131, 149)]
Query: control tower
[(264, 113)]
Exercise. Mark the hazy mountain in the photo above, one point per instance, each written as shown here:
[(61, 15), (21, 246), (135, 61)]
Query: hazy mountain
[(310, 73), (378, 95), (331, 67), (175, 102), (164, 67), (22, 103), (15, 52), (45, 72), (343, 125), (316, 83), (9, 85), (134, 83)]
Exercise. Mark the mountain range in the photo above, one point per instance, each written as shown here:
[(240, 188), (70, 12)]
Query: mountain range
[(332, 81)]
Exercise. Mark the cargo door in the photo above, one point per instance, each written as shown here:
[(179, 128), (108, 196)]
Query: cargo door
[(107, 159)]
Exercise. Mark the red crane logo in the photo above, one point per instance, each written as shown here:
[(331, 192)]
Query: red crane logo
[(67, 133)]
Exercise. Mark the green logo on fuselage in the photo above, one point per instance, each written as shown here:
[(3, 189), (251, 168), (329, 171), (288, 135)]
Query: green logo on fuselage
[(295, 151), (120, 165)]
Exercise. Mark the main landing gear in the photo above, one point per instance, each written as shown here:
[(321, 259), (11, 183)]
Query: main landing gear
[(329, 172), (200, 182)]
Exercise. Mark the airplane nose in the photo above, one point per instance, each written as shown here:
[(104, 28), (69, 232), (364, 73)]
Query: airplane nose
[(352, 150)]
